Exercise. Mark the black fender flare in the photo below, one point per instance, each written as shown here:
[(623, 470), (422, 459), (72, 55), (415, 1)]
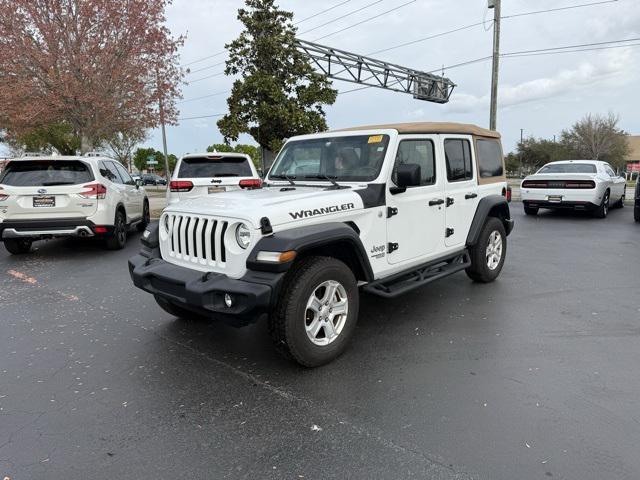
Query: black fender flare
[(307, 238), (489, 206)]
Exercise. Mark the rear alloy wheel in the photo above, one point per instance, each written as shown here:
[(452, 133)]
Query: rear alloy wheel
[(146, 217), (317, 311), (603, 210), (620, 203), (487, 256), (18, 246), (118, 239)]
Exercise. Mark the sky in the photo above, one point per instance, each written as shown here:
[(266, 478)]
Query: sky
[(540, 94)]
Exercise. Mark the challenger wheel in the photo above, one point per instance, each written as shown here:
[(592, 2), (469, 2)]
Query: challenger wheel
[(317, 311), (487, 256), (530, 210), (603, 210)]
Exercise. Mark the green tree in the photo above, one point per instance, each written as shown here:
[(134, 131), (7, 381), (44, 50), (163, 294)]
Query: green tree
[(535, 152), (59, 136), (251, 150), (597, 137), (512, 163), (278, 94)]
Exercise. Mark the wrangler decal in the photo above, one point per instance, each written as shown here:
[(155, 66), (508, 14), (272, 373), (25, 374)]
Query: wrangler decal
[(321, 211)]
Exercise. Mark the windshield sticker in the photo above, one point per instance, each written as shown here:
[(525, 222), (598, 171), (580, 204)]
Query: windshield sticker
[(375, 139), (321, 211)]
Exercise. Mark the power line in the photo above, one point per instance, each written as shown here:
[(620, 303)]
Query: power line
[(203, 116), (594, 44), (366, 20), (341, 17), (204, 96), (206, 68), (205, 78), (558, 9), (204, 58), (321, 12), (576, 50)]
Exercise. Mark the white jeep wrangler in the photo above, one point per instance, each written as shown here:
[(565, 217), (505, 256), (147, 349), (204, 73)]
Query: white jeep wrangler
[(382, 209)]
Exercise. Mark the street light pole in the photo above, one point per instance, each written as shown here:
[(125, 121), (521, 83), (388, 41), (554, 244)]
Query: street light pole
[(495, 4)]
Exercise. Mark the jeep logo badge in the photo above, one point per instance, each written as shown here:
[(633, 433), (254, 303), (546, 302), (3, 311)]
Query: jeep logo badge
[(215, 180)]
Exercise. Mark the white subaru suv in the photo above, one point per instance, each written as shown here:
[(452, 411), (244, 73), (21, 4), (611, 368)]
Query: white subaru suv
[(201, 174), (382, 209), (68, 196)]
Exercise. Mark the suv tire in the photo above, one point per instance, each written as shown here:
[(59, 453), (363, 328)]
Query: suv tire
[(146, 217), (118, 239), (488, 254), (603, 210), (176, 311), (530, 210), (303, 324), (18, 246)]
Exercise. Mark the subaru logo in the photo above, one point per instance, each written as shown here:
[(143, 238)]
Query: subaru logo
[(42, 190)]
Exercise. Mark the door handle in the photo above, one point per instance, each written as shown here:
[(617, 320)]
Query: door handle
[(433, 203), (469, 196)]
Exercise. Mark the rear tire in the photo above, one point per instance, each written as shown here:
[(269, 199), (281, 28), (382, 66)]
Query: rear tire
[(603, 210), (487, 256), (146, 217), (18, 246), (304, 325), (118, 239), (530, 210), (636, 213), (620, 203), (176, 311)]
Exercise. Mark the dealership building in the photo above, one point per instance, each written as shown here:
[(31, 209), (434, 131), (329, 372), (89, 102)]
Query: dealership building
[(633, 157)]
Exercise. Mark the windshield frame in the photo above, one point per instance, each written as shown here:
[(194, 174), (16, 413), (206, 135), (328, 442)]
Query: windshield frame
[(391, 140)]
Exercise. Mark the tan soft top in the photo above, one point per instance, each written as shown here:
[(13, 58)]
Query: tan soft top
[(430, 127)]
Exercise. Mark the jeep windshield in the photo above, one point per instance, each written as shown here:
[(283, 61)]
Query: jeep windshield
[(356, 158)]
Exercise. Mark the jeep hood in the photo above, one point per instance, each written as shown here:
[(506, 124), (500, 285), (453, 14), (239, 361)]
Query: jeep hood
[(281, 204)]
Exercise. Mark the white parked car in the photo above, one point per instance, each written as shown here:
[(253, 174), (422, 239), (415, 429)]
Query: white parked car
[(201, 174), (589, 185), (385, 209), (48, 197)]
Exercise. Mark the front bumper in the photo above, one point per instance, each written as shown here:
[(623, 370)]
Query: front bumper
[(203, 293), (47, 228)]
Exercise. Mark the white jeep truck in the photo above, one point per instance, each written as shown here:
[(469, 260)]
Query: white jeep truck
[(381, 209)]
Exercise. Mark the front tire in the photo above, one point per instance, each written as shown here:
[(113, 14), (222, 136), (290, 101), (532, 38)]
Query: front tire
[(317, 311), (487, 256), (118, 239), (18, 246)]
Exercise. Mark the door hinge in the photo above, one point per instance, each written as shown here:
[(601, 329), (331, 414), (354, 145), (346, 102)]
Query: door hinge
[(448, 232), (391, 211), (449, 201), (392, 247)]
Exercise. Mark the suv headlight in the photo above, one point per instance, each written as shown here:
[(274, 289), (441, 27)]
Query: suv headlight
[(243, 235)]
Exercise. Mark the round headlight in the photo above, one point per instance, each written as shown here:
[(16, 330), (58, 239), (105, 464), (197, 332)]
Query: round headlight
[(243, 235)]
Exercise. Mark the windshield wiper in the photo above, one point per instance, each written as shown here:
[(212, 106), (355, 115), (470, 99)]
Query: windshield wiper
[(284, 176), (330, 178)]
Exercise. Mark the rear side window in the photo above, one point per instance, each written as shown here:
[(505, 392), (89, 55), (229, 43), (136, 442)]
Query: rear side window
[(458, 155), (417, 152), (203, 167), (489, 155), (45, 173), (109, 171)]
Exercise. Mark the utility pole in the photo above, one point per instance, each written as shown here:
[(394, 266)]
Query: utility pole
[(495, 4), (167, 174)]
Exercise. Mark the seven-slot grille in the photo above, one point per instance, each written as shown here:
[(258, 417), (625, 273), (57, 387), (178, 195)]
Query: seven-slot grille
[(196, 239)]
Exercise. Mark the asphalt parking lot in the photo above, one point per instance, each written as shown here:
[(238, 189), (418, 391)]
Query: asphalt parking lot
[(534, 376)]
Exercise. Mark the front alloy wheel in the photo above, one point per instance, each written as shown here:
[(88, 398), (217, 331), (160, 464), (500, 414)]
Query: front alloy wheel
[(326, 313), (494, 250)]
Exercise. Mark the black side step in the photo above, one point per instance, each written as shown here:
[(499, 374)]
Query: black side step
[(406, 281)]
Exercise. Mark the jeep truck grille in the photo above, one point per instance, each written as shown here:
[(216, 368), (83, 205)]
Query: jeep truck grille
[(194, 240)]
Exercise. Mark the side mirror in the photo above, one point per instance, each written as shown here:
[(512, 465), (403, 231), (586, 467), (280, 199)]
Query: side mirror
[(408, 175), (138, 182)]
